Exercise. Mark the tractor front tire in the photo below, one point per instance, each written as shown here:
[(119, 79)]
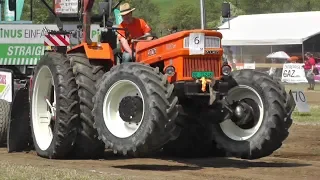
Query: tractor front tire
[(87, 144), (264, 132), (54, 134), (4, 120), (152, 100), (280, 87)]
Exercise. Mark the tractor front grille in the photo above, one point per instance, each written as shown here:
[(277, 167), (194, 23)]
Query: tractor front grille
[(201, 64), (210, 42)]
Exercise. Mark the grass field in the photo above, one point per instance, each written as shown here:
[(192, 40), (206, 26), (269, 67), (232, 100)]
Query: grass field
[(302, 87), (19, 172), (312, 117), (313, 99)]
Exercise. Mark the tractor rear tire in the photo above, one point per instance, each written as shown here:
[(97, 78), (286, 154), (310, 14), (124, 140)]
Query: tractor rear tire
[(87, 144), (4, 120), (154, 127), (269, 131), (56, 142)]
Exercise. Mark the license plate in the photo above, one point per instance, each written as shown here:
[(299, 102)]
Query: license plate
[(200, 74)]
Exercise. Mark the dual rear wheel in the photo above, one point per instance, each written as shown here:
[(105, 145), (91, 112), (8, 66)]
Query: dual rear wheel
[(54, 107), (64, 125)]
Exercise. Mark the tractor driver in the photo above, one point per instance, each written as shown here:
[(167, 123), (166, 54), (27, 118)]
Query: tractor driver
[(137, 27)]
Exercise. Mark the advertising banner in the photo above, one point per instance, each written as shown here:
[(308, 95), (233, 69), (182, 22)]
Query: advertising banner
[(293, 73), (24, 44)]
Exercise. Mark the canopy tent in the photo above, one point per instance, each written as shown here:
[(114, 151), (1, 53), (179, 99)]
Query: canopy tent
[(271, 29)]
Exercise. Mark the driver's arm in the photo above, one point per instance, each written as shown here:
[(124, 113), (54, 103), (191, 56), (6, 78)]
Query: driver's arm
[(125, 45), (123, 41), (146, 29)]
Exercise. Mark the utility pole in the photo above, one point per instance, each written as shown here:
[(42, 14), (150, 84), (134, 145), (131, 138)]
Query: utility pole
[(203, 15)]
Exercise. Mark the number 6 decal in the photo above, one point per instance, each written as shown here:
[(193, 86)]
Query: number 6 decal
[(196, 43), (196, 40)]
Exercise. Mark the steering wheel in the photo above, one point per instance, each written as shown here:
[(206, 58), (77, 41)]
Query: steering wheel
[(147, 35)]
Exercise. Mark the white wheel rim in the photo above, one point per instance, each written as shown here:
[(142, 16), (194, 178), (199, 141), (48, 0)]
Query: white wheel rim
[(42, 110), (232, 130), (111, 115)]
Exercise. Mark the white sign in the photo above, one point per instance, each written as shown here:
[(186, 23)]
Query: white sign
[(301, 100), (34, 34), (196, 43), (6, 86), (24, 34), (293, 73), (66, 6)]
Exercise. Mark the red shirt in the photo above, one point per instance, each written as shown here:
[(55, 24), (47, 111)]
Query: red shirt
[(137, 28), (309, 63)]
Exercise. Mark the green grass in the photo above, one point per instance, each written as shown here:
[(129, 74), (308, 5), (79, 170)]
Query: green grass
[(312, 117), (19, 172), (302, 87)]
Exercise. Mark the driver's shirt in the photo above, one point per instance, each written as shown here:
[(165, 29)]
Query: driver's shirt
[(136, 29)]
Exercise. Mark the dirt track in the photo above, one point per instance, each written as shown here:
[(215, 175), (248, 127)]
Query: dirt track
[(299, 158)]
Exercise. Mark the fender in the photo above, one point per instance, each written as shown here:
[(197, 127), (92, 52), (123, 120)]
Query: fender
[(94, 52), (19, 130)]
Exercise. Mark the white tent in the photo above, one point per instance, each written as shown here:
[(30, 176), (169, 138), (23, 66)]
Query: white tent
[(271, 29)]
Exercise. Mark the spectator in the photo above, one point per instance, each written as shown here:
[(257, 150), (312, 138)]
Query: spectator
[(309, 65)]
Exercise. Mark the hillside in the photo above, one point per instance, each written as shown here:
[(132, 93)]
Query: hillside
[(166, 5)]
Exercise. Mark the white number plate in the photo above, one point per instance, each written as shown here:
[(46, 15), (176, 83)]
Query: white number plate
[(196, 43), (300, 100)]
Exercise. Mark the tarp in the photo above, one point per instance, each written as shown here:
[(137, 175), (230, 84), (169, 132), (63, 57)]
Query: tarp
[(271, 29)]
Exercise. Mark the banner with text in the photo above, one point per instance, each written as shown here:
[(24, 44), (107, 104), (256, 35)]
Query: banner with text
[(293, 73), (23, 44)]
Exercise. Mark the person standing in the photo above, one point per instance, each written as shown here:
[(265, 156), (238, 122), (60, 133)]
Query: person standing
[(309, 66)]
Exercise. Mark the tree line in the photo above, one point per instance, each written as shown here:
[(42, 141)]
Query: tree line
[(185, 14)]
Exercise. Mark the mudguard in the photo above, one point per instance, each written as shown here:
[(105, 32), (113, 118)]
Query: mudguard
[(19, 130)]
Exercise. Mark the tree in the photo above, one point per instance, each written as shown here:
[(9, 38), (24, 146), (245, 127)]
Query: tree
[(213, 13), (41, 15), (184, 16)]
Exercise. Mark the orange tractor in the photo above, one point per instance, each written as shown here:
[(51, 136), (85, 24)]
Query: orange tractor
[(177, 95)]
